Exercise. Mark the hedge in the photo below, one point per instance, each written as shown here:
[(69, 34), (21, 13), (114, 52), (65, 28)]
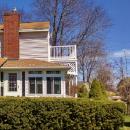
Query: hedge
[(59, 114)]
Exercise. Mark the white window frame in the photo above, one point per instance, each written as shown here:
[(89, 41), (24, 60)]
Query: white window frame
[(35, 76)]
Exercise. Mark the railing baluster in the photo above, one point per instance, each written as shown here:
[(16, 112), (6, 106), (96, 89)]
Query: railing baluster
[(63, 52)]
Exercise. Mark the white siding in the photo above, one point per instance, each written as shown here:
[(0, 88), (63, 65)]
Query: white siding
[(34, 45), (19, 84)]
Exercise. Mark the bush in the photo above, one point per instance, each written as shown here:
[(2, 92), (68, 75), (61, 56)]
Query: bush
[(59, 114), (83, 90), (97, 90)]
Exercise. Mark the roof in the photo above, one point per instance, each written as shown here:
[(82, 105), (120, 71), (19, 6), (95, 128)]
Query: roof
[(31, 64), (2, 61), (31, 25)]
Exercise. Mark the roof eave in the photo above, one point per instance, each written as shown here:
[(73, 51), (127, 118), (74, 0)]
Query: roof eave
[(19, 68)]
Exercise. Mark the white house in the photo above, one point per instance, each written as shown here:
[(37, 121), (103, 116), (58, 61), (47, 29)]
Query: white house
[(29, 65)]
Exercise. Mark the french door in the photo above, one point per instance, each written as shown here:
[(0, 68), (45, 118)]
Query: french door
[(35, 85), (53, 85)]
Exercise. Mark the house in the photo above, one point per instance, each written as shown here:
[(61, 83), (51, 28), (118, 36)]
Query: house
[(29, 65)]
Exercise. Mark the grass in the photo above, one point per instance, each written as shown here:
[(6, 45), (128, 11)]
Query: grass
[(126, 123)]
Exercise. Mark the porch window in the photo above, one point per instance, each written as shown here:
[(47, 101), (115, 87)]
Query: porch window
[(12, 81), (53, 85), (53, 72), (35, 85), (35, 72)]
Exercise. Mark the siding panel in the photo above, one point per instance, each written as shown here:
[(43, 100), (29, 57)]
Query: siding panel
[(34, 46)]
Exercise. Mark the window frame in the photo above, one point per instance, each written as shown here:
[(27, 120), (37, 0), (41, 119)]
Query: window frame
[(35, 83), (10, 88), (53, 84)]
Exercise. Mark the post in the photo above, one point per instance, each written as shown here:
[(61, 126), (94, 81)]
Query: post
[(75, 51), (49, 47)]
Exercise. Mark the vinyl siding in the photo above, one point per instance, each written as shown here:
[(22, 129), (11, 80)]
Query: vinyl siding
[(34, 45)]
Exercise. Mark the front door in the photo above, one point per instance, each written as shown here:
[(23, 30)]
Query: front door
[(35, 85)]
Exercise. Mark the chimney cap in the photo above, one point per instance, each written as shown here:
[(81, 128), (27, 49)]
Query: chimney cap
[(14, 9)]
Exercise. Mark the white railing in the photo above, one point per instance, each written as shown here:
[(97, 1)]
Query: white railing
[(63, 52)]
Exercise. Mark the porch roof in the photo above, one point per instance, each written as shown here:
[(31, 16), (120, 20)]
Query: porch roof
[(2, 61), (31, 64)]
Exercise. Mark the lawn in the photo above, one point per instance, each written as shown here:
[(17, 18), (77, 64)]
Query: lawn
[(126, 123)]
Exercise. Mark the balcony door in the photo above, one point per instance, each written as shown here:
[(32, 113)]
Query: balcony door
[(35, 85)]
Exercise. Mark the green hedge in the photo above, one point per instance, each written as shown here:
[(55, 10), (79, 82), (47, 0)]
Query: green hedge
[(59, 114)]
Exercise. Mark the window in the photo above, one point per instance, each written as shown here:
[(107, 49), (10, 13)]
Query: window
[(53, 72), (12, 81), (35, 72), (35, 85), (53, 85)]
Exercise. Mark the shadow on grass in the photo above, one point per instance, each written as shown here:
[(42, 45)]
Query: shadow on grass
[(127, 124)]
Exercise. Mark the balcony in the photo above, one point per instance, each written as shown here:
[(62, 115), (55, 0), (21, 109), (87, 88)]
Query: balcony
[(66, 55), (63, 53)]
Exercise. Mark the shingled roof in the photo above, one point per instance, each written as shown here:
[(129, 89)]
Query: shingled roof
[(31, 25), (2, 61), (31, 64)]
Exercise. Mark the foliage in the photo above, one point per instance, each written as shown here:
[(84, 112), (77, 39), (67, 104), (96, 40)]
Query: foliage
[(59, 114), (124, 87), (83, 90), (97, 90), (103, 89)]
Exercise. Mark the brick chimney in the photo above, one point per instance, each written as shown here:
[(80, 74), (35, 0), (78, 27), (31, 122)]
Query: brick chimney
[(11, 35)]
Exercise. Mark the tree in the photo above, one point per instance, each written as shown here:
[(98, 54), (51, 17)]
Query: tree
[(83, 90), (105, 75), (97, 90), (124, 87), (79, 22), (71, 21), (60, 13), (90, 55)]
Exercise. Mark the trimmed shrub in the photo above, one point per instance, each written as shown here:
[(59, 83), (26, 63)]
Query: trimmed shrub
[(104, 93), (97, 90), (83, 90), (59, 114)]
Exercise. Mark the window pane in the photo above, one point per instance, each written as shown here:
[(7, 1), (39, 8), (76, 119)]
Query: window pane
[(32, 85), (57, 85), (12, 81), (35, 72), (53, 72), (39, 85), (49, 85)]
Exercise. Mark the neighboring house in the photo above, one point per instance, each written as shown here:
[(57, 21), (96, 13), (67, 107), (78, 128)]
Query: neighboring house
[(29, 65)]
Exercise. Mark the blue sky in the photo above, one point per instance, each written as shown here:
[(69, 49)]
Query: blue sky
[(118, 36)]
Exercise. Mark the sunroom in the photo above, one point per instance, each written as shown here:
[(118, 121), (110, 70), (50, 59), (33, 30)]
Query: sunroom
[(32, 78)]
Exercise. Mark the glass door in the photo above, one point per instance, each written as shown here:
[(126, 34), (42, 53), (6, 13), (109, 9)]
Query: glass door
[(35, 85), (38, 85), (53, 85)]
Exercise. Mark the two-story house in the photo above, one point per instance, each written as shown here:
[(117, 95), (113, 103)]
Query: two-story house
[(29, 65)]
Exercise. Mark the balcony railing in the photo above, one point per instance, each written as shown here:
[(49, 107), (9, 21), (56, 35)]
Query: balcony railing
[(63, 52)]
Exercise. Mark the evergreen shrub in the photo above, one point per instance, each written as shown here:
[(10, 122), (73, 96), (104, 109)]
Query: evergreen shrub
[(59, 114)]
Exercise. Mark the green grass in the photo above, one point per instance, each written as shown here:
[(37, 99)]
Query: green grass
[(126, 123)]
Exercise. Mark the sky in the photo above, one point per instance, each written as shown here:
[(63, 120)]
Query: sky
[(117, 39), (118, 36)]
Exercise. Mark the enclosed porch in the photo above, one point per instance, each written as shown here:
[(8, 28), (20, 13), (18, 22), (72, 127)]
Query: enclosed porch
[(32, 78)]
